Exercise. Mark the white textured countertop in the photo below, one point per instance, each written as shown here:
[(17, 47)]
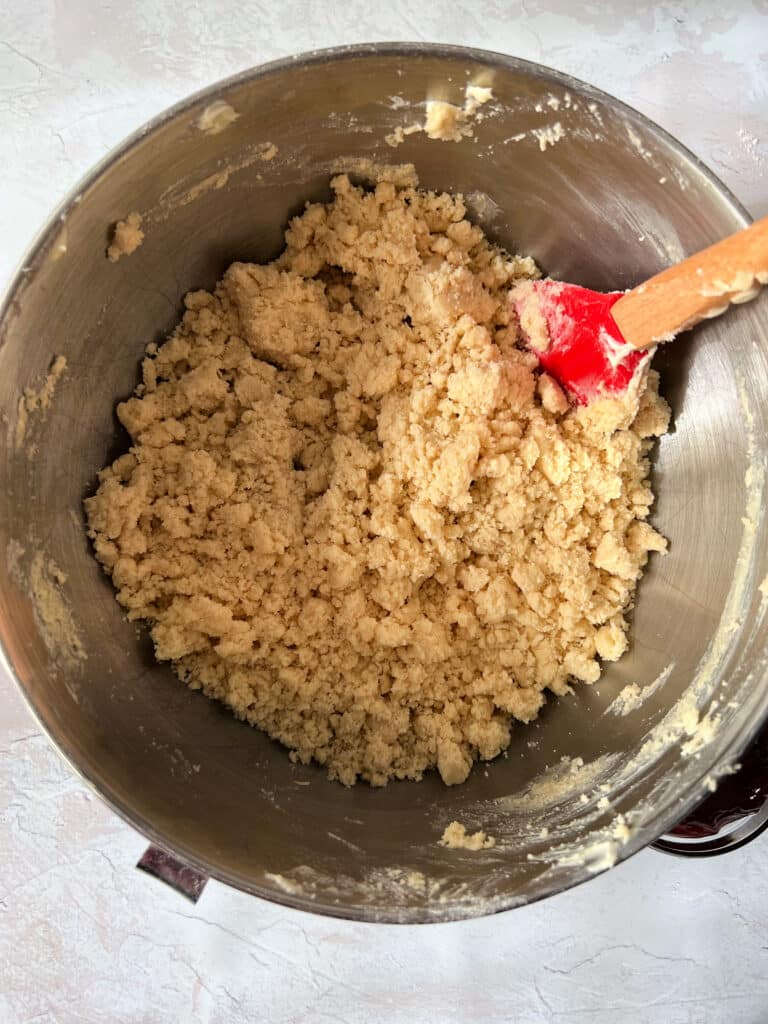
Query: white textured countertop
[(86, 938)]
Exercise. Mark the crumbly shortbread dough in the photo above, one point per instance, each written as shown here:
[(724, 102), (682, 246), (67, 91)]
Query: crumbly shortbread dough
[(356, 512)]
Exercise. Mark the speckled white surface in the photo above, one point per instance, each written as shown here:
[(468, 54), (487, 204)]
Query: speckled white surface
[(86, 938)]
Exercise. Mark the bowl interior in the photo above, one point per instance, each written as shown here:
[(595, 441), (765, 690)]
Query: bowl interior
[(612, 201)]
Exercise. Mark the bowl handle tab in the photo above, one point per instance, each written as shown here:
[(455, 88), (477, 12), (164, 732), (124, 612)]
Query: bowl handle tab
[(188, 881)]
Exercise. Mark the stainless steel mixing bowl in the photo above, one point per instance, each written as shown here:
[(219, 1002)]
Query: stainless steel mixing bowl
[(613, 200)]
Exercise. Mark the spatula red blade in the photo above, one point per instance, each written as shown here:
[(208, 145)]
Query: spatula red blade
[(585, 352)]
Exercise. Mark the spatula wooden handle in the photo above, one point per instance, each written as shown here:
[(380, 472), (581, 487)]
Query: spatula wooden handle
[(700, 287)]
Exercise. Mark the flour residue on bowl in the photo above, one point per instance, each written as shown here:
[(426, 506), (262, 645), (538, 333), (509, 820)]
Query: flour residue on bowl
[(395, 893), (14, 554), (53, 615), (45, 582), (564, 782), (633, 696), (482, 207), (600, 852), (212, 183), (216, 117), (637, 143), (184, 192), (654, 159), (35, 403), (284, 883), (683, 721), (739, 593), (549, 135)]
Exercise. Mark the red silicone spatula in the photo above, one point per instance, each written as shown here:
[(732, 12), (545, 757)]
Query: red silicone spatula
[(595, 344)]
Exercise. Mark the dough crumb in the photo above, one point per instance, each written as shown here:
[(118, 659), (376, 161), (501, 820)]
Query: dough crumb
[(37, 401), (400, 133), (456, 837), (549, 136), (445, 121), (475, 96), (216, 117), (356, 512), (127, 237), (401, 175)]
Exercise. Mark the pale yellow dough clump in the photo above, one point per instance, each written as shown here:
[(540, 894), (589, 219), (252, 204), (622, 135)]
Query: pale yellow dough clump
[(126, 238), (456, 837), (355, 512)]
